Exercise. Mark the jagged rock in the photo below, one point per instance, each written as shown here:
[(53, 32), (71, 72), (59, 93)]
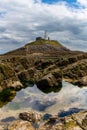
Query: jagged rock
[(31, 116), (51, 81), (76, 73), (20, 125)]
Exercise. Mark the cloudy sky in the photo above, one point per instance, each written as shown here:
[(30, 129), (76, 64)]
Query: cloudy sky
[(23, 20)]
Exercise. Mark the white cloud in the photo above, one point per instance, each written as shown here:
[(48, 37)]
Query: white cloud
[(82, 2), (23, 20)]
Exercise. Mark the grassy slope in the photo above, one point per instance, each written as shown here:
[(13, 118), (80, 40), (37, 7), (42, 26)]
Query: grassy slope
[(42, 41)]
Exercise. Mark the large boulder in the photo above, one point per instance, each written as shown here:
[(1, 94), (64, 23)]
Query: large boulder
[(51, 81), (20, 125)]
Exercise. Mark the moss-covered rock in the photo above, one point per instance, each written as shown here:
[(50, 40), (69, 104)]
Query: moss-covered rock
[(6, 95), (6, 71)]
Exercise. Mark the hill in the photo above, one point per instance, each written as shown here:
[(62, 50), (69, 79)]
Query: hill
[(40, 46), (42, 61)]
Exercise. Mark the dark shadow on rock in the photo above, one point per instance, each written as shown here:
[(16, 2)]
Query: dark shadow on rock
[(69, 112)]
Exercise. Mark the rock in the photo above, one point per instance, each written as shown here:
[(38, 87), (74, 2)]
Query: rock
[(71, 124), (49, 126), (53, 119), (82, 81), (42, 64), (51, 82), (76, 73), (20, 125), (84, 123), (3, 126), (76, 121), (33, 117), (15, 84), (8, 79)]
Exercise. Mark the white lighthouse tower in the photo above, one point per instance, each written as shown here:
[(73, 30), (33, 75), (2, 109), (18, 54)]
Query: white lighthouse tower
[(45, 35)]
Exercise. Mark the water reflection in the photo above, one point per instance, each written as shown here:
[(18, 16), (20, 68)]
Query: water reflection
[(51, 89), (8, 119), (32, 98), (69, 112)]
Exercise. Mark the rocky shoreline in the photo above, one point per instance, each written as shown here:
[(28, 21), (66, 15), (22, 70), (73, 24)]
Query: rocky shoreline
[(38, 121)]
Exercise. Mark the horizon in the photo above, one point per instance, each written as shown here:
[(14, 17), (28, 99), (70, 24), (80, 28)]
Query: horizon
[(65, 21)]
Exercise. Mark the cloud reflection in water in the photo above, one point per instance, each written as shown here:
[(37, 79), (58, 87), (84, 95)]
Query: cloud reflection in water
[(69, 96)]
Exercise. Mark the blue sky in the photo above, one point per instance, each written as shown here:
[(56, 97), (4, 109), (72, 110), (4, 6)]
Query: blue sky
[(21, 21), (52, 1)]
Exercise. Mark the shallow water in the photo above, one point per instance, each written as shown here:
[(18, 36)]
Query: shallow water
[(69, 99)]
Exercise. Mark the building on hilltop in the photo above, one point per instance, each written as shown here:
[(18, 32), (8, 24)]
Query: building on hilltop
[(46, 37), (38, 38)]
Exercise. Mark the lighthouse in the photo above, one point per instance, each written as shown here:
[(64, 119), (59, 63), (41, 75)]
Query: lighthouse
[(45, 35)]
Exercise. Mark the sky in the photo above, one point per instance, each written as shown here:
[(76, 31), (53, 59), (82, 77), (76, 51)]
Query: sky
[(21, 21)]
